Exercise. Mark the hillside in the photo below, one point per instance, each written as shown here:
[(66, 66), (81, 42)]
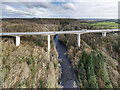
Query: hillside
[(28, 66), (97, 60)]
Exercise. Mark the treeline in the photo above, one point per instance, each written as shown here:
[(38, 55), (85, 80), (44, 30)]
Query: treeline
[(42, 24)]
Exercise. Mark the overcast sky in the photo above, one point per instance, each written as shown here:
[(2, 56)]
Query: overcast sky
[(60, 9)]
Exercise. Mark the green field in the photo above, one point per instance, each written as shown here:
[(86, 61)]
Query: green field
[(102, 25)]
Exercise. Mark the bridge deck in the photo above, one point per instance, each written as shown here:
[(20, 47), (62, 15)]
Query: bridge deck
[(56, 32)]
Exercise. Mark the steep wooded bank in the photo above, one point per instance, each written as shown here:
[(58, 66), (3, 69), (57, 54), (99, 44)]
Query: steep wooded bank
[(96, 61), (29, 65)]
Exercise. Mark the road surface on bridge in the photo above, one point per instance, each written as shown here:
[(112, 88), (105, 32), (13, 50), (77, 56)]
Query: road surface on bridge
[(56, 32)]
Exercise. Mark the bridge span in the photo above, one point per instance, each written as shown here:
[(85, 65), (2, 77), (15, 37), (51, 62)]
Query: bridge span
[(78, 32)]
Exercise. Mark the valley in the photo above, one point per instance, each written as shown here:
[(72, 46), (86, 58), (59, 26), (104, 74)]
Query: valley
[(95, 64)]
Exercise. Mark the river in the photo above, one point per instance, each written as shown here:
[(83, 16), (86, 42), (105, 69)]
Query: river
[(67, 77)]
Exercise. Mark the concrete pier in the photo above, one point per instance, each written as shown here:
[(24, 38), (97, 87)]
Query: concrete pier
[(78, 40), (104, 34), (17, 40), (48, 43)]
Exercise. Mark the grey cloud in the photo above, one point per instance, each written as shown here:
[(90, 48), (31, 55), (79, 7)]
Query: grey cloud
[(37, 4), (55, 10), (70, 6), (21, 10)]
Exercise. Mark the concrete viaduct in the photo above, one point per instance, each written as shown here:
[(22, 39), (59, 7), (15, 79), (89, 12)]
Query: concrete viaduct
[(78, 32)]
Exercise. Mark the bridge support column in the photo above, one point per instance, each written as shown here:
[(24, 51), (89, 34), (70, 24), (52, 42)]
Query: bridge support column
[(48, 43), (104, 34), (78, 40), (17, 40)]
